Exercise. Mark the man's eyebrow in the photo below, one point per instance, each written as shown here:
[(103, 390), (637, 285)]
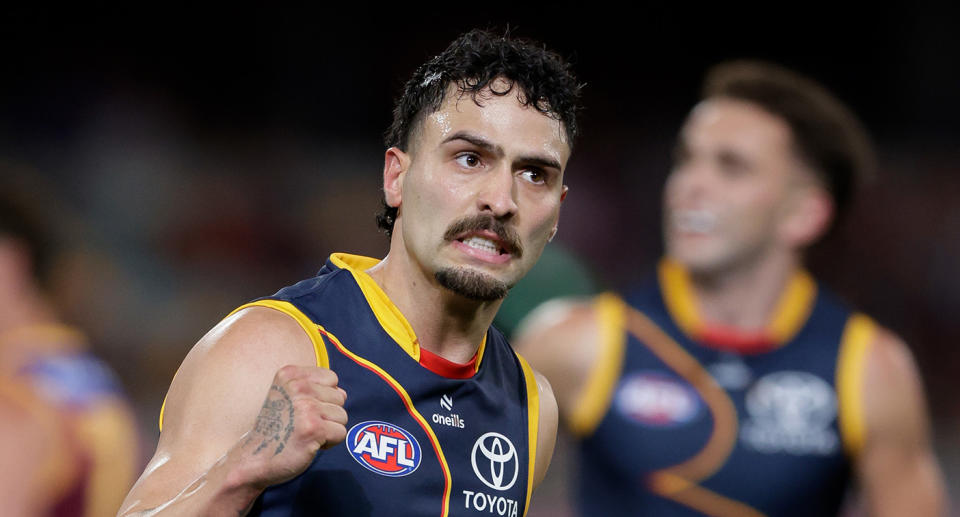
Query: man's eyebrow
[(540, 161), (483, 143), (476, 140)]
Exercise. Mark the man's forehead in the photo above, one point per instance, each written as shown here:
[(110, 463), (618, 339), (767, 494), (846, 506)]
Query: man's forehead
[(736, 121), (499, 108)]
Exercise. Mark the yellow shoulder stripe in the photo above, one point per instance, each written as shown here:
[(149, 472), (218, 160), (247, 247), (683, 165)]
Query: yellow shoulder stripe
[(319, 349), (858, 335), (533, 421), (594, 399), (678, 297), (389, 316)]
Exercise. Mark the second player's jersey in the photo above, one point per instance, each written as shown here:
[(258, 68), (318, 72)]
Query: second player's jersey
[(425, 436), (677, 419)]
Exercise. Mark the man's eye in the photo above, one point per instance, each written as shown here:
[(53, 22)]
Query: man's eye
[(534, 176), (468, 160)]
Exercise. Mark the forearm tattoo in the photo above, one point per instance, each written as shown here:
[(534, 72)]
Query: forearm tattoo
[(275, 421)]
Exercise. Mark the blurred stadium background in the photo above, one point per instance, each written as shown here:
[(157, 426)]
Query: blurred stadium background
[(200, 157)]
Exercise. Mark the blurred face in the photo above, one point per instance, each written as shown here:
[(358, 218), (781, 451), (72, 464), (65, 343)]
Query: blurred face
[(479, 196), (728, 197)]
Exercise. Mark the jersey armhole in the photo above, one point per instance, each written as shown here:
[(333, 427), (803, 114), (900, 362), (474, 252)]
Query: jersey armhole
[(319, 348), (533, 423), (858, 335), (595, 397)]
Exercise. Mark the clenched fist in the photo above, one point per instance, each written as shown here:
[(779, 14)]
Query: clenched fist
[(302, 413)]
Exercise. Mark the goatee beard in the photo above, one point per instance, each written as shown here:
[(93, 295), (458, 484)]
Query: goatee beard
[(472, 285)]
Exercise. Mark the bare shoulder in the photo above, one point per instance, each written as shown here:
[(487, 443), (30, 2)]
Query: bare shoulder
[(562, 340), (897, 467), (893, 390), (225, 365), (559, 336)]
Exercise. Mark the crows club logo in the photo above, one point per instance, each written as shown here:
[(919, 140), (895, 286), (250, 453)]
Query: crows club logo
[(383, 448), (791, 412), (655, 399), (495, 461)]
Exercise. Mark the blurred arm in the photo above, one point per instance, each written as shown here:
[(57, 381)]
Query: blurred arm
[(897, 469), (26, 440), (559, 340)]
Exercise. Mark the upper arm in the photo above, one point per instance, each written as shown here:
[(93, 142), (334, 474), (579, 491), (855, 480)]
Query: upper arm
[(558, 338), (216, 395), (897, 469)]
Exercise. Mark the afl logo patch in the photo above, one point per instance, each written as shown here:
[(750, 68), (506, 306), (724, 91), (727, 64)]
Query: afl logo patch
[(383, 448), (657, 400)]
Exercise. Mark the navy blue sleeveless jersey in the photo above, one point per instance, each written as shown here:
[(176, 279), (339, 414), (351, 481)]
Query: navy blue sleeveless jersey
[(675, 422), (425, 437)]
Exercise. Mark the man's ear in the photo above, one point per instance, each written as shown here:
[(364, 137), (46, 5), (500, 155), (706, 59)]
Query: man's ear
[(395, 165), (811, 213)]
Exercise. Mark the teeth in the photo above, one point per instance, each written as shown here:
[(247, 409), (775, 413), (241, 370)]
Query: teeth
[(700, 221), (482, 244)]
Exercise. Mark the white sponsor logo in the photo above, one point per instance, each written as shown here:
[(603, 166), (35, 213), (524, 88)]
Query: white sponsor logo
[(493, 458), (493, 504), (791, 412), (450, 420)]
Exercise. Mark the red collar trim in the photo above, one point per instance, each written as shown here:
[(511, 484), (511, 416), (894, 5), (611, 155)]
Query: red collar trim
[(735, 340), (447, 368)]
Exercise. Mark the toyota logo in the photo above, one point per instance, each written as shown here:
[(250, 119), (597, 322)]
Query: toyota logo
[(496, 456)]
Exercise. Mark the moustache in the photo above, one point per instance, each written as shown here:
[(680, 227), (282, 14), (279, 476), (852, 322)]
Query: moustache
[(508, 237)]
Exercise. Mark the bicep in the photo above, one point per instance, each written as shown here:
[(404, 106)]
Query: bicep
[(215, 397), (897, 469)]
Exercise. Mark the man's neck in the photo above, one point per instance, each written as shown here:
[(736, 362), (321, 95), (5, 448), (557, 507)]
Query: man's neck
[(745, 296), (445, 323)]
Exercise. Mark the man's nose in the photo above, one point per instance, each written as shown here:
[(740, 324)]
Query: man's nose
[(498, 194)]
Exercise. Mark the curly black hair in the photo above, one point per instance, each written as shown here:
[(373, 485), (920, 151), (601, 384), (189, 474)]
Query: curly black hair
[(472, 62)]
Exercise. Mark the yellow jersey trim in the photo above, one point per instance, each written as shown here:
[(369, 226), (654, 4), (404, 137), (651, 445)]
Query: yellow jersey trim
[(790, 314), (533, 422), (793, 308), (594, 399), (308, 326), (391, 319), (858, 336), (408, 403), (678, 297)]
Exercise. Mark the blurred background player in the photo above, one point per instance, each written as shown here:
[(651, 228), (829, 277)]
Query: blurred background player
[(68, 445), (732, 383)]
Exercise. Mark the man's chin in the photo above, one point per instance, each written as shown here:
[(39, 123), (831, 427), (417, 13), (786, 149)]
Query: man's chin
[(472, 284)]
